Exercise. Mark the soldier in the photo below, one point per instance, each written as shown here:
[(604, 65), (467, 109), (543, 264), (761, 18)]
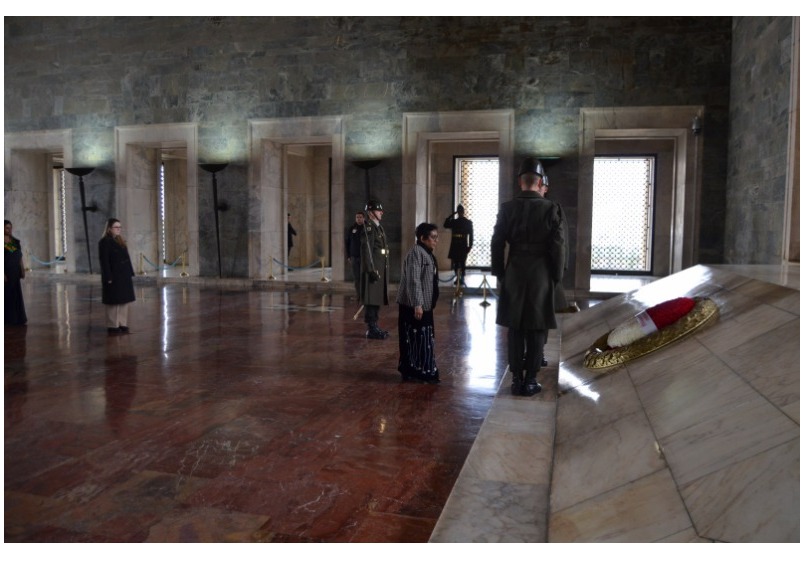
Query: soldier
[(374, 269), (461, 243), (534, 230), (353, 236)]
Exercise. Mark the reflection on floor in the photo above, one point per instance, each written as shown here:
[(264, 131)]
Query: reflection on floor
[(233, 415), (250, 415)]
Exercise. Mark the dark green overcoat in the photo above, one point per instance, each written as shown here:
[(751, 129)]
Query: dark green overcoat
[(373, 263), (534, 230)]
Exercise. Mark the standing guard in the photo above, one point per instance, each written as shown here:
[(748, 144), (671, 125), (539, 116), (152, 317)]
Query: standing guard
[(461, 243), (374, 269)]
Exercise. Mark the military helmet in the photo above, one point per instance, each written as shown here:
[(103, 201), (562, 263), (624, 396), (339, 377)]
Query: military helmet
[(531, 165), (373, 205)]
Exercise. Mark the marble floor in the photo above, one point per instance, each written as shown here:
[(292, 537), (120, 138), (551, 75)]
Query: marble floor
[(233, 414)]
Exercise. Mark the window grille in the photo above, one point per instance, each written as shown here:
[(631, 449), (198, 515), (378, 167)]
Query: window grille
[(622, 214), (477, 188), (162, 229)]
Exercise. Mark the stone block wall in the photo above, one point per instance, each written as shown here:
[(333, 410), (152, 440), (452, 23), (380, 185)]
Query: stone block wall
[(91, 74), (758, 144)]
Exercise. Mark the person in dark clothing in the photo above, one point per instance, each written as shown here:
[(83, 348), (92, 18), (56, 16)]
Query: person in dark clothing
[(461, 243), (373, 269), (14, 307), (534, 230), (353, 236), (417, 297), (116, 277)]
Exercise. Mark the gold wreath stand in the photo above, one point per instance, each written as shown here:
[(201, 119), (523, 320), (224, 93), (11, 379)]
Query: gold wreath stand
[(599, 355)]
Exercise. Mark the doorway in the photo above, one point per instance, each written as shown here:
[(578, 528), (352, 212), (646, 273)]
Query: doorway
[(667, 132)]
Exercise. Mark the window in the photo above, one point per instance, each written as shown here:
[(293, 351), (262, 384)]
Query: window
[(622, 214), (161, 223), (60, 206), (477, 188)]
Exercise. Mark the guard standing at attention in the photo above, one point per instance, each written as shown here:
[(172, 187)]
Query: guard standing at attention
[(462, 239), (374, 269), (353, 236), (534, 229)]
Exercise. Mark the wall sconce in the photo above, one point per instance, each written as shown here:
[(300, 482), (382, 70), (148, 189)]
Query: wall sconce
[(214, 168), (365, 165), (697, 126), (81, 172)]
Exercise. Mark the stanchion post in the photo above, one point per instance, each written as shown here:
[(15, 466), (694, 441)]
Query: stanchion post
[(184, 273), (324, 278), (485, 285), (271, 269)]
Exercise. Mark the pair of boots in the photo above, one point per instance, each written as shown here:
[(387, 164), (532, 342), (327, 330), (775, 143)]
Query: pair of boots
[(522, 386), (374, 332)]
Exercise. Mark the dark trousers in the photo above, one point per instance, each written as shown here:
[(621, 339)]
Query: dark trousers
[(371, 314), (525, 351)]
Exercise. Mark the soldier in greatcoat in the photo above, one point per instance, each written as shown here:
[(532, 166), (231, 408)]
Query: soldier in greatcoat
[(374, 269), (533, 228)]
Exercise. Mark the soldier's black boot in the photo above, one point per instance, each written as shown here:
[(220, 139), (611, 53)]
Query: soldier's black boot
[(374, 332), (531, 387), (517, 384)]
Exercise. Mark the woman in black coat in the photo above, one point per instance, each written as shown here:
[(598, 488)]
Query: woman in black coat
[(116, 274), (14, 308)]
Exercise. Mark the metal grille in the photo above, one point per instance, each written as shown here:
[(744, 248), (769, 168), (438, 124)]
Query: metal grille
[(478, 188), (622, 214)]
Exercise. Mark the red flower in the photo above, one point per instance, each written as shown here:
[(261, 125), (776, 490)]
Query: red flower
[(669, 312)]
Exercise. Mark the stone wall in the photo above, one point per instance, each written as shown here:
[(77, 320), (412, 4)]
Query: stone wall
[(91, 74), (758, 143)]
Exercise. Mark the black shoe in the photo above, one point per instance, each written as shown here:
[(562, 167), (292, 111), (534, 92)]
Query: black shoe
[(376, 333), (517, 386), (435, 380), (123, 329), (114, 330), (531, 388)]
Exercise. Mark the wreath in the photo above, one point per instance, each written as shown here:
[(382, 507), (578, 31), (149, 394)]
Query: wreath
[(650, 330)]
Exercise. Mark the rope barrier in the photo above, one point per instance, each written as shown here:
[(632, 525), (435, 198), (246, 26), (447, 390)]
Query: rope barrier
[(300, 268), (42, 262)]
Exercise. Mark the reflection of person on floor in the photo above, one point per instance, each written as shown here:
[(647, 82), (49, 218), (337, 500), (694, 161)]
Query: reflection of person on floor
[(353, 235), (417, 296), (116, 277), (374, 269), (533, 228), (461, 243), (14, 306)]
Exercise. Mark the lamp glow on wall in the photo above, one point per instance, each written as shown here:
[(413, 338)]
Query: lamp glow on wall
[(214, 168), (80, 172)]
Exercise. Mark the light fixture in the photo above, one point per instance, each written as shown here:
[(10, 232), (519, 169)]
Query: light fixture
[(696, 125), (80, 172), (365, 165), (214, 168)]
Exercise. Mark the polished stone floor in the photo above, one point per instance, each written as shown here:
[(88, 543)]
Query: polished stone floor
[(233, 415)]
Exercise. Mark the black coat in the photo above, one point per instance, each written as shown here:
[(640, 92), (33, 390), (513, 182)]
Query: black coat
[(534, 230), (116, 272), (463, 235)]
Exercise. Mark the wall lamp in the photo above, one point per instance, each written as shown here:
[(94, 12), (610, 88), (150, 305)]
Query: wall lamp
[(80, 172), (214, 168), (365, 165)]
